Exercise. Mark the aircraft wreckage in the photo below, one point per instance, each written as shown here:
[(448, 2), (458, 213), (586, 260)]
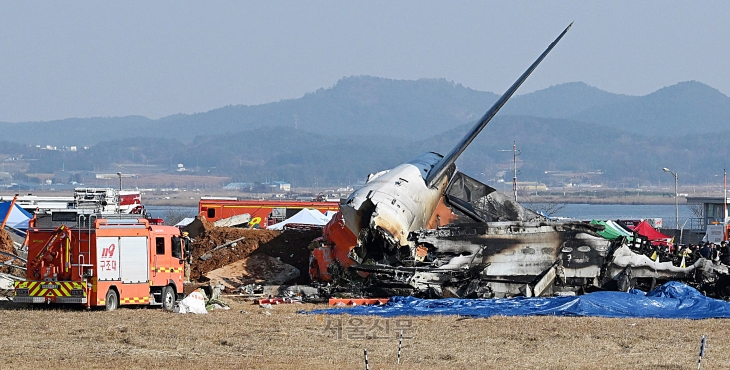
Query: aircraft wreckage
[(425, 229)]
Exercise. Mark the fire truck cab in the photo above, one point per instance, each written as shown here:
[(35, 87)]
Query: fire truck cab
[(80, 258)]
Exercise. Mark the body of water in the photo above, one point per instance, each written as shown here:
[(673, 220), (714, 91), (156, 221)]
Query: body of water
[(626, 212), (164, 212)]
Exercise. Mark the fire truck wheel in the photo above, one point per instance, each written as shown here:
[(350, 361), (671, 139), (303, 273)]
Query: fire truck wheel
[(168, 298), (112, 300)]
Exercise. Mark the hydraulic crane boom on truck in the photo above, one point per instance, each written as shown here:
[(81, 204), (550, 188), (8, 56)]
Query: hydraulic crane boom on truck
[(81, 258)]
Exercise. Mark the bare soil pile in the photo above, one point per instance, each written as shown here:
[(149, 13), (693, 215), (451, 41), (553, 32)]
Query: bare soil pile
[(6, 244), (258, 268), (290, 247), (214, 237)]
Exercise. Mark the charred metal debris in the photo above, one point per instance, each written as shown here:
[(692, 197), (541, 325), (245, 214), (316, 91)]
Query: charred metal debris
[(480, 255)]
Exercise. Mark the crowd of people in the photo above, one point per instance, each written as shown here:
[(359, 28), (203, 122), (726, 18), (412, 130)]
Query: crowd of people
[(683, 255)]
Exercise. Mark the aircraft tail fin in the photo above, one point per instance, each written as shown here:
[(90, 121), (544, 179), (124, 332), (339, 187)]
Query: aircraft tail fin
[(441, 167)]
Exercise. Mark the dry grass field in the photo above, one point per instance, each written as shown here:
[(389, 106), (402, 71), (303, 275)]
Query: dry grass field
[(246, 337)]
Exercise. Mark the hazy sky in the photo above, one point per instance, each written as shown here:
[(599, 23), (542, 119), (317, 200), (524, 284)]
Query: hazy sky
[(61, 59)]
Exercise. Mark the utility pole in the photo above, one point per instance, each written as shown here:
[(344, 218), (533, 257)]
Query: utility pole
[(515, 153), (676, 204), (514, 178)]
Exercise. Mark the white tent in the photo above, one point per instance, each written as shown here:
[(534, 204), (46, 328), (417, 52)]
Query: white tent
[(330, 214), (18, 217), (305, 217), (185, 221)]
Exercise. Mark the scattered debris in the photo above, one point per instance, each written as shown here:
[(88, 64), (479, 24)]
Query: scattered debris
[(283, 300), (193, 303), (208, 255), (308, 293), (199, 303), (250, 290), (234, 221)]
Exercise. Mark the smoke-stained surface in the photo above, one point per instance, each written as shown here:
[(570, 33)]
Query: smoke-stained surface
[(473, 198)]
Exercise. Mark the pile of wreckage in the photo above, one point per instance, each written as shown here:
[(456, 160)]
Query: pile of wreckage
[(533, 257), (425, 229), (518, 258), (253, 263), (13, 256)]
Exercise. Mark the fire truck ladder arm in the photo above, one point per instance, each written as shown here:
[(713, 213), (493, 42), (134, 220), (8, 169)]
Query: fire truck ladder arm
[(50, 242)]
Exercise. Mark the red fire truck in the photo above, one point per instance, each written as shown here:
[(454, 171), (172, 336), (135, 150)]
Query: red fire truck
[(263, 212), (85, 259)]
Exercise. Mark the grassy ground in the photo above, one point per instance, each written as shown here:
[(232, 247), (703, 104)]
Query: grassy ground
[(247, 337)]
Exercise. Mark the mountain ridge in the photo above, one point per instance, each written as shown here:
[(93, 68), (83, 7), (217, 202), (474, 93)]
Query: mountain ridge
[(405, 109)]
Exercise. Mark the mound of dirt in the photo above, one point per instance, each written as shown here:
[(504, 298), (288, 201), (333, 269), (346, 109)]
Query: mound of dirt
[(216, 236), (6, 244), (289, 247), (258, 268)]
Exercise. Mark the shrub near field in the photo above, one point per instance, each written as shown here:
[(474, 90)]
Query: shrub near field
[(244, 337)]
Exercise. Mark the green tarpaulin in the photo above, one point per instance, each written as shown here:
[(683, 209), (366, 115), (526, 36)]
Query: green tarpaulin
[(612, 231)]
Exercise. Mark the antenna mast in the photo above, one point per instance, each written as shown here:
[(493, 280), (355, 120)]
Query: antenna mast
[(514, 178)]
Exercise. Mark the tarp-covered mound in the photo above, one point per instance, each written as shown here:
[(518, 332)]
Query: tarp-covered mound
[(672, 300)]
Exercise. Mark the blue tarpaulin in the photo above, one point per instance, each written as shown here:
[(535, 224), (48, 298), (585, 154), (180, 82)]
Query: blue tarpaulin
[(672, 300)]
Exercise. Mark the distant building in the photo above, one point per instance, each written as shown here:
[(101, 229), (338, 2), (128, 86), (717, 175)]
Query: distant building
[(272, 187), (713, 211), (281, 186), (531, 186), (240, 186)]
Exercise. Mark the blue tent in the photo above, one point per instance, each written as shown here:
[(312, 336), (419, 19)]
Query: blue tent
[(672, 300), (18, 217)]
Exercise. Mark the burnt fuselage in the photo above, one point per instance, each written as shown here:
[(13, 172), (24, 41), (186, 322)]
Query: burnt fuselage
[(519, 251)]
